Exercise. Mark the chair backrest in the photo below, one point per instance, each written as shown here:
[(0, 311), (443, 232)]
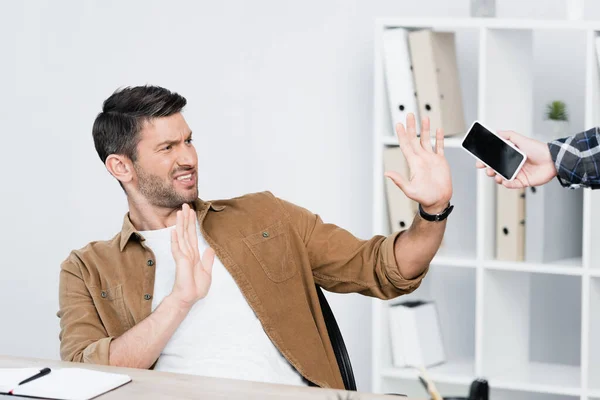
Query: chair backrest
[(337, 341)]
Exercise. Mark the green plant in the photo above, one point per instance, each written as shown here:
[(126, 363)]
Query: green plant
[(557, 111)]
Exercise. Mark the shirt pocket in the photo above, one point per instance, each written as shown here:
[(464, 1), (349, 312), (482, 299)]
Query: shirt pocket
[(111, 308), (271, 247)]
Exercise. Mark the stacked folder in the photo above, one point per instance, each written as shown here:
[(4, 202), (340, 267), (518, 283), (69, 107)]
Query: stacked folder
[(422, 77), (401, 209), (539, 224)]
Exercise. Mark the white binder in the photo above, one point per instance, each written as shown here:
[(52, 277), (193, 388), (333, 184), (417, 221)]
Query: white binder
[(399, 77), (437, 82), (401, 209), (510, 224), (416, 336), (554, 228)]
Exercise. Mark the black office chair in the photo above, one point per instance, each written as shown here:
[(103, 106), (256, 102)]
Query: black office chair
[(337, 342)]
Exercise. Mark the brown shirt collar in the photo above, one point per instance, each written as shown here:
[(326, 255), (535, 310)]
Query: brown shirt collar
[(128, 230)]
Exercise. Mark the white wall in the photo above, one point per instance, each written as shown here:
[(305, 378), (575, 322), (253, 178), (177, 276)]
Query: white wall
[(280, 98)]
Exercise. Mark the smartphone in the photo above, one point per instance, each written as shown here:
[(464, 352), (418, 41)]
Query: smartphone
[(494, 151)]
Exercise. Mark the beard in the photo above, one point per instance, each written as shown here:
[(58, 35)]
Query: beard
[(160, 193)]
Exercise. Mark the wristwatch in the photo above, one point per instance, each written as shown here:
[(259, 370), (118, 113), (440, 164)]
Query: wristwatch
[(436, 217)]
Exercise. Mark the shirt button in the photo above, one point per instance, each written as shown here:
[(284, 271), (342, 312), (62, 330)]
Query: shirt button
[(266, 234), (150, 263), (147, 296), (103, 294)]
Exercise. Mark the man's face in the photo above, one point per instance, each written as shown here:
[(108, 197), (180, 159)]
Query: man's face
[(166, 165)]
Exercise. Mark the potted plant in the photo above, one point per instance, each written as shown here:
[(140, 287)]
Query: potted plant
[(558, 120)]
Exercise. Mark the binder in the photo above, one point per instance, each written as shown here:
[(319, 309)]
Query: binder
[(554, 223), (401, 209), (398, 77), (510, 224), (416, 337), (437, 81)]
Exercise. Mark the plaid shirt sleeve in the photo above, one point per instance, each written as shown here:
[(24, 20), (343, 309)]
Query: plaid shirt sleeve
[(577, 159)]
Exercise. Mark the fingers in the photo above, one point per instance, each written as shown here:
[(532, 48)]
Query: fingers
[(185, 213), (399, 180), (192, 235), (181, 235), (404, 142), (175, 249), (411, 130), (208, 259), (479, 164), (513, 137), (490, 172), (411, 126), (515, 184), (498, 179), (439, 141), (506, 134), (425, 135)]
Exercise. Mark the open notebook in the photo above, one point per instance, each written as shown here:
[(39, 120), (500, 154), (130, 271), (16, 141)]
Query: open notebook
[(60, 384)]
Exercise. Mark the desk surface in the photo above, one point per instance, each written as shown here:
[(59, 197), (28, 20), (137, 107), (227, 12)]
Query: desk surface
[(163, 385)]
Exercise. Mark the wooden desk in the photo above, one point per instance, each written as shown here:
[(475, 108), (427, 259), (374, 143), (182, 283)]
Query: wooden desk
[(163, 385)]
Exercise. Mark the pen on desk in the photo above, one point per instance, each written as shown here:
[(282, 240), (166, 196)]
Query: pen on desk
[(429, 385), (43, 372)]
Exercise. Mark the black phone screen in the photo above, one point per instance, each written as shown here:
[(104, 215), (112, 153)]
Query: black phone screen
[(492, 150)]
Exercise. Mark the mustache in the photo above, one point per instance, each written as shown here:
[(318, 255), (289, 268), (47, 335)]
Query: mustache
[(180, 170)]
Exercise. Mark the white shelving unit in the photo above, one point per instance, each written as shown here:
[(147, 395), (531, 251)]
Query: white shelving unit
[(531, 329)]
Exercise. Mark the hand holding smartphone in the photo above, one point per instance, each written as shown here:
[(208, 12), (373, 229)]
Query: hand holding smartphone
[(492, 150)]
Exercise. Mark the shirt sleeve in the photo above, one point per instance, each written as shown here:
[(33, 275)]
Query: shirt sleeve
[(343, 263), (577, 159), (82, 334)]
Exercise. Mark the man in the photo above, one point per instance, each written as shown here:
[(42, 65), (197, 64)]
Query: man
[(574, 160), (227, 288)]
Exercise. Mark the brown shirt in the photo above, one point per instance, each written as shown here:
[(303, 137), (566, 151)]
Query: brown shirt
[(274, 250)]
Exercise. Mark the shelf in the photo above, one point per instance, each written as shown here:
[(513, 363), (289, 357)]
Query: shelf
[(593, 335), (453, 291), (536, 377), (460, 371), (563, 267), (449, 142), (491, 23), (540, 377), (508, 394), (594, 394), (455, 257), (532, 331), (593, 219), (520, 323), (450, 261)]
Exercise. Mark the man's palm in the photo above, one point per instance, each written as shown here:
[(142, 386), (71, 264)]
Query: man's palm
[(193, 274), (430, 182)]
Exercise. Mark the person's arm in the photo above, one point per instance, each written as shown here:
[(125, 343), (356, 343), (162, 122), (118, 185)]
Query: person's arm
[(574, 160), (577, 159), (83, 337), (140, 346), (383, 267), (415, 248), (430, 185)]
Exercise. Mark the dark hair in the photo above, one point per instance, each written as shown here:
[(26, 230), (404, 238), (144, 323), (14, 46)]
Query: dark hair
[(116, 129)]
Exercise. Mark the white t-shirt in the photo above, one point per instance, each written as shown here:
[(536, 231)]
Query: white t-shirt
[(221, 336)]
